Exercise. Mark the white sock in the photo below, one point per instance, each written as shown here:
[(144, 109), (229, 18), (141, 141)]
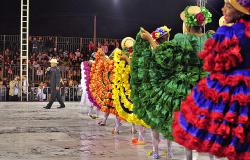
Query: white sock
[(90, 110), (117, 123), (133, 128), (140, 130), (189, 154), (169, 149), (106, 115), (211, 157), (155, 140)]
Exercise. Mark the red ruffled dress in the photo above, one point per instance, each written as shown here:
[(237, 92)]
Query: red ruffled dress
[(214, 118)]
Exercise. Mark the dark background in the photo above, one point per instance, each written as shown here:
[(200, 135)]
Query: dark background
[(115, 18)]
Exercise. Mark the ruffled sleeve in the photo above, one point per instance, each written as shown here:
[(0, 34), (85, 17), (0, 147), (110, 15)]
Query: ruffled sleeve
[(184, 40), (222, 51)]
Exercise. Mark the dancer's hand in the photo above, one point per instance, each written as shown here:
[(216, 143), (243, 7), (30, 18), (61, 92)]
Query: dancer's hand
[(123, 57), (144, 34)]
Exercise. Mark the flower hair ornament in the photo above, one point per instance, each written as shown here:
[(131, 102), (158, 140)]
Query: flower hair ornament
[(196, 16), (161, 31)]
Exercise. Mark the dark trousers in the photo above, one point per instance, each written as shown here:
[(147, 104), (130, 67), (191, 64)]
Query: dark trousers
[(14, 98), (55, 95)]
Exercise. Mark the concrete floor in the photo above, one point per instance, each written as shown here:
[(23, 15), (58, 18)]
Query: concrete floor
[(29, 132)]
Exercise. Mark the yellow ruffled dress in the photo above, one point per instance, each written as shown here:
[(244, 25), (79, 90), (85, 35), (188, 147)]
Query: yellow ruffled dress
[(121, 90)]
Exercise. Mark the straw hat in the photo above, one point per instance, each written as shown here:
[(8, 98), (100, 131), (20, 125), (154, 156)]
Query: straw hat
[(196, 16), (127, 42), (241, 5), (54, 61), (190, 10)]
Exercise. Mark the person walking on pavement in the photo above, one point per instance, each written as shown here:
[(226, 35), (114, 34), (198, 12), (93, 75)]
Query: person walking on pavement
[(53, 73)]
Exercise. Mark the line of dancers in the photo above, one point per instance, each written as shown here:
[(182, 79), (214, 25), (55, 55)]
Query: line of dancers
[(193, 88)]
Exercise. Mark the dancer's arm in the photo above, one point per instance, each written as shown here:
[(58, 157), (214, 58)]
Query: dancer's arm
[(146, 36), (126, 58)]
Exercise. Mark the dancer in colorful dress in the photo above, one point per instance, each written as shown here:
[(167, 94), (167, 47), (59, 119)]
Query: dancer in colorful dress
[(121, 88), (86, 99), (214, 118), (100, 84), (171, 70), (102, 74), (140, 68)]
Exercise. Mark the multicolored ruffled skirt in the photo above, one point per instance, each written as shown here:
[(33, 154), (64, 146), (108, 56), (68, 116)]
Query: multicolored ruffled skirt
[(214, 118), (100, 85), (86, 99)]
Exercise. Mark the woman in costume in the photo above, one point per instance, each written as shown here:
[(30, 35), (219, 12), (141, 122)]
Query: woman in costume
[(172, 69), (214, 118), (98, 88), (102, 73), (140, 67), (121, 88), (86, 99)]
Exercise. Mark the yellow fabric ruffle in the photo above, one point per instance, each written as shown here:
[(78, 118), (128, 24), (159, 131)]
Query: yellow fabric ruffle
[(121, 90)]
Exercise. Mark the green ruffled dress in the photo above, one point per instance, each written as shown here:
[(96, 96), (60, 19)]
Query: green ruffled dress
[(161, 78)]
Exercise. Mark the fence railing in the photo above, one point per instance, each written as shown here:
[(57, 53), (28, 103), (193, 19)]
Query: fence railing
[(70, 94), (3, 94), (37, 74), (65, 43), (9, 41)]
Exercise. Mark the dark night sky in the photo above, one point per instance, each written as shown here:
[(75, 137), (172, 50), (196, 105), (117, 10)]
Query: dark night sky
[(115, 18)]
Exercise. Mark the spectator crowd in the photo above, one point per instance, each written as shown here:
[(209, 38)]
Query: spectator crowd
[(40, 52)]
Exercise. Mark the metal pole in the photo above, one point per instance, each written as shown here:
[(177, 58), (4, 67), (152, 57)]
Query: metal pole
[(81, 45), (202, 3), (4, 42), (55, 43), (94, 38), (4, 47)]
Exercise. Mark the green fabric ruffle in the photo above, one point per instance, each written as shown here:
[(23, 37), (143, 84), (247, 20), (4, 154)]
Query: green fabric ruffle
[(161, 79)]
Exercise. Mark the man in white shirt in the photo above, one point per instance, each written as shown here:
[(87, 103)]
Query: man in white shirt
[(15, 89)]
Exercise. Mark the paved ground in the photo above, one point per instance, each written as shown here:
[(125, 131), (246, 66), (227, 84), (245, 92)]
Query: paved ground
[(28, 132)]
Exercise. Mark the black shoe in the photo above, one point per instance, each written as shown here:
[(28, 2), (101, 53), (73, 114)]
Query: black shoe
[(46, 107), (61, 107)]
